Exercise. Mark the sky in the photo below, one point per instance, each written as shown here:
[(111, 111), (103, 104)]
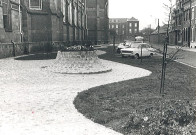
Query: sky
[(146, 11)]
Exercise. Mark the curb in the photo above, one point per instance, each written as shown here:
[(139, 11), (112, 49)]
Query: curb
[(85, 73), (185, 64)]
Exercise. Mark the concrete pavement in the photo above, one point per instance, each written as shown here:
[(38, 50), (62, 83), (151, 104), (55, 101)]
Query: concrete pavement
[(185, 56), (35, 101)]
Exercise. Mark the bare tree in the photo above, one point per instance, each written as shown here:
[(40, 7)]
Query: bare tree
[(165, 57)]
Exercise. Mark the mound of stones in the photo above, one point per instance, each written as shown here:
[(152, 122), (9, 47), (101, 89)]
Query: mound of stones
[(78, 62)]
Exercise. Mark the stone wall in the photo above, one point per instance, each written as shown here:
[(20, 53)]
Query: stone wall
[(13, 33), (9, 50), (97, 21), (50, 23), (17, 49), (162, 36)]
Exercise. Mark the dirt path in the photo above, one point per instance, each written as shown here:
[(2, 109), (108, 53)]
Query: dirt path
[(34, 101)]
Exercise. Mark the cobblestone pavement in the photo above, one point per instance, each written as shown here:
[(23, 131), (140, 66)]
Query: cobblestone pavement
[(34, 101)]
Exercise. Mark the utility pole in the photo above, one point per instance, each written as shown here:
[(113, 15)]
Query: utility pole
[(114, 40), (149, 33)]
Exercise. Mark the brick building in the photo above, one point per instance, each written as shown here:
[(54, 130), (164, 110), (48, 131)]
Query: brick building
[(43, 21), (126, 28), (185, 25), (97, 21)]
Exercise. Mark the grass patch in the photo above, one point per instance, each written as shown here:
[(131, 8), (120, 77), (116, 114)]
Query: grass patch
[(135, 107)]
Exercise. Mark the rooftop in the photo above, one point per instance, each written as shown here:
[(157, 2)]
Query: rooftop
[(123, 19)]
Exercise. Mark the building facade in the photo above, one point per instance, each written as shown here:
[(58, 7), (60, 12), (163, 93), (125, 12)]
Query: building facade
[(9, 21), (97, 21), (125, 28), (43, 21), (185, 23)]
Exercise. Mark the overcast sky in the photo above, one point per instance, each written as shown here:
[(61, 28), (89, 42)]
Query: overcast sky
[(146, 11)]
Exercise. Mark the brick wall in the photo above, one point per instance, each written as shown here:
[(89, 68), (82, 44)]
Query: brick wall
[(162, 36)]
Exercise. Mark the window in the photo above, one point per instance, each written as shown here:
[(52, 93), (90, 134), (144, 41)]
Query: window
[(135, 30), (130, 30), (83, 19), (192, 14), (70, 13), (123, 32), (123, 26), (192, 33), (83, 2), (112, 26), (117, 31), (75, 16), (130, 24), (135, 24), (63, 8), (35, 4), (7, 19), (116, 25)]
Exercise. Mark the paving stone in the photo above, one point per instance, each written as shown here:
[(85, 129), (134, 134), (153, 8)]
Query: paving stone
[(34, 101)]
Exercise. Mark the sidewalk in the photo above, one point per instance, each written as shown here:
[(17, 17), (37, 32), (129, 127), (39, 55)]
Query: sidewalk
[(35, 101), (184, 48), (186, 56)]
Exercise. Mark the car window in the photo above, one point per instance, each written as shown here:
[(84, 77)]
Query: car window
[(145, 45), (135, 45), (137, 41)]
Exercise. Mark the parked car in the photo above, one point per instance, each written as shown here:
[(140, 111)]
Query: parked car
[(138, 49), (126, 44)]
